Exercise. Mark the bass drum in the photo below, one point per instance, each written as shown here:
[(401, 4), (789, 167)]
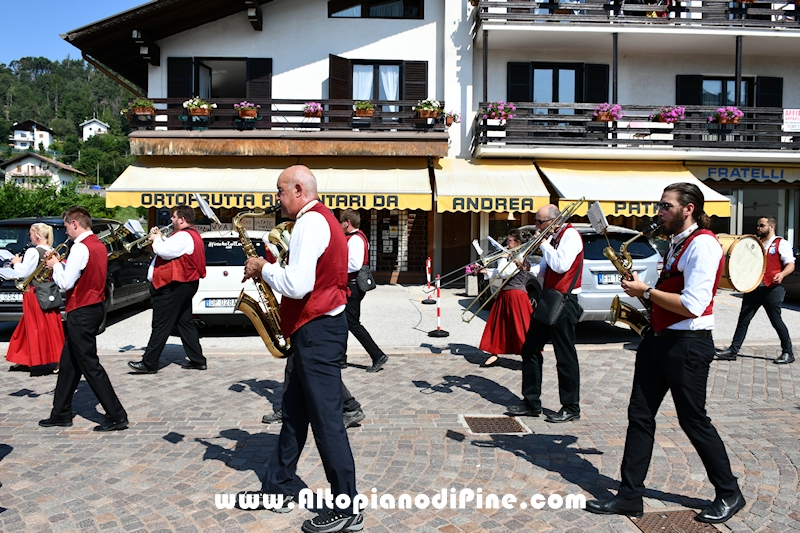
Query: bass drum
[(745, 262)]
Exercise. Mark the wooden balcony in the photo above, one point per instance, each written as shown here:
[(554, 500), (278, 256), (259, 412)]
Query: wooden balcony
[(555, 127), (705, 13), (281, 129)]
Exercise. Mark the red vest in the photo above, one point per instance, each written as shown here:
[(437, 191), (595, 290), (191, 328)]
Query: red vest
[(91, 286), (774, 264), (188, 267), (561, 282), (672, 281), (352, 275), (330, 286)]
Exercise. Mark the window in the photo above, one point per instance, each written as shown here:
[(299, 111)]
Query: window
[(380, 9), (377, 82), (249, 78), (722, 91), (557, 82), (761, 91)]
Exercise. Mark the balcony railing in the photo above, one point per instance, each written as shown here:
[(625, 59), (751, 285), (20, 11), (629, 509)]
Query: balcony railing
[(338, 115), (539, 125), (784, 14)]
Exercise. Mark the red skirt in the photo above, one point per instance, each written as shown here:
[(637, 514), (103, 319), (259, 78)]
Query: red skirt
[(507, 324), (39, 337)]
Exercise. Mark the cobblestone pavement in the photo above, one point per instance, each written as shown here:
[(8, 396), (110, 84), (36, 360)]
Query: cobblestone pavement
[(195, 434)]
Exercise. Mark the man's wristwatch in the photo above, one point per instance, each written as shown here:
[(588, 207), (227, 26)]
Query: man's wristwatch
[(646, 294)]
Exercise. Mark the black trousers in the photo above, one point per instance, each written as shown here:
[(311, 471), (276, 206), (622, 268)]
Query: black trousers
[(678, 365), (562, 334), (349, 401), (79, 358), (771, 299), (353, 313), (314, 396), (172, 308)]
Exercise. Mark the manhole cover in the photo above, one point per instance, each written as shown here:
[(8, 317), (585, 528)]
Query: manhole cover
[(673, 522), (494, 424)]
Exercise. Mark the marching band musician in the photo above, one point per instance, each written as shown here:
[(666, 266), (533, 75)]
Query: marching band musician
[(175, 274), (314, 290), (675, 356), (510, 316), (561, 266), (39, 337), (84, 279)]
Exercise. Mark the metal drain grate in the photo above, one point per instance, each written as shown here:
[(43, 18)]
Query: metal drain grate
[(494, 424), (673, 521)]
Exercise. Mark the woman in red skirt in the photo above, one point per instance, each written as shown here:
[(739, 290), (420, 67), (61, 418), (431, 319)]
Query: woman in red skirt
[(511, 312), (39, 337)]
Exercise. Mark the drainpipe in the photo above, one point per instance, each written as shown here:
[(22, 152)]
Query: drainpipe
[(738, 89), (114, 77), (615, 69), (485, 65)]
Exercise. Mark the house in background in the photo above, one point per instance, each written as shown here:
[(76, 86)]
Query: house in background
[(33, 170), (29, 135), (93, 127)]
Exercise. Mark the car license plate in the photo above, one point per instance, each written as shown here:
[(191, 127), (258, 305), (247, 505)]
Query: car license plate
[(220, 302), (608, 279), (10, 296)]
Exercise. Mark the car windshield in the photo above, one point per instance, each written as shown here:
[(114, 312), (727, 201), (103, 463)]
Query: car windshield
[(593, 246), (14, 238), (228, 252)]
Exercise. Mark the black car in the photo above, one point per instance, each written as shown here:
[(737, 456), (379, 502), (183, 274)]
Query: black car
[(792, 282), (127, 270)]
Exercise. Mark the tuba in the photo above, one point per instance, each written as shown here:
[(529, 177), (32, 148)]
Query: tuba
[(42, 272), (623, 262), (264, 312)]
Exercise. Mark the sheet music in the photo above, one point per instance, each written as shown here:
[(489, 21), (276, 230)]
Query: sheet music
[(9, 273)]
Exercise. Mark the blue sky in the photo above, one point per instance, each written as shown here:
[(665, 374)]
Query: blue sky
[(32, 27)]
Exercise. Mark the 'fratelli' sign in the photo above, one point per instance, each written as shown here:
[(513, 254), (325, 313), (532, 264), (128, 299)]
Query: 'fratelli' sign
[(745, 173)]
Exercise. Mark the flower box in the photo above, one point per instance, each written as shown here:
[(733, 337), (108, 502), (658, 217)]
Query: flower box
[(427, 113), (248, 113), (368, 113), (727, 120), (143, 110), (605, 116), (315, 114), (199, 112), (448, 121)]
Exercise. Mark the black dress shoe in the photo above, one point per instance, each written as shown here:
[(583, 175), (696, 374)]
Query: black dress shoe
[(617, 505), (139, 368), (191, 365), (725, 355), (253, 500), (522, 410), (108, 425), (562, 416), (52, 422), (784, 359), (377, 365), (721, 509)]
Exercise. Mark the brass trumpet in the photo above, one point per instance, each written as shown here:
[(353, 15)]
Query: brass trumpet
[(42, 272), (144, 241), (521, 253)]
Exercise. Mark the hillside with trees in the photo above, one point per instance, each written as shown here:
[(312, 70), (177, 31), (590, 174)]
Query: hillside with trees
[(61, 95)]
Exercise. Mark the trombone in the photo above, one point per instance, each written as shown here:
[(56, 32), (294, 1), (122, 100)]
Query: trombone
[(141, 242), (521, 253)]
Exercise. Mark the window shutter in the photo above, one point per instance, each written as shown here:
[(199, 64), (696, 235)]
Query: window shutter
[(259, 79), (340, 84), (518, 82), (595, 83), (415, 80), (769, 92), (688, 89), (180, 77)]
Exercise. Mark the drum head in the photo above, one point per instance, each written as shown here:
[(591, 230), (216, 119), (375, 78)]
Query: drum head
[(745, 262)]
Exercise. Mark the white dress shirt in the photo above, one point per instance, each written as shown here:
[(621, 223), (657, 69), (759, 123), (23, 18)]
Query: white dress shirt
[(30, 261), (699, 263), (66, 276), (504, 269), (560, 259), (784, 249), (178, 244), (355, 254), (311, 236)]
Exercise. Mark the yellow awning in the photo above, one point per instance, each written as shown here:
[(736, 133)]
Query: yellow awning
[(250, 182), (624, 188), (737, 172), (489, 185)]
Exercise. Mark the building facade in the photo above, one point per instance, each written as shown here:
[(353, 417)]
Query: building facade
[(33, 170), (30, 135)]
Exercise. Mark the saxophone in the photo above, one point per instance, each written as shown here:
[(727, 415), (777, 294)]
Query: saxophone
[(264, 312), (621, 311), (42, 272)]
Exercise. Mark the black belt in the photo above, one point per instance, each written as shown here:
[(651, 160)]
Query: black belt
[(683, 333)]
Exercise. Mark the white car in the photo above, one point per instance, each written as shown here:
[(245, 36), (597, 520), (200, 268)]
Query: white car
[(218, 291)]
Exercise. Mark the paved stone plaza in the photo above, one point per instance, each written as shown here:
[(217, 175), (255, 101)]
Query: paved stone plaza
[(195, 434)]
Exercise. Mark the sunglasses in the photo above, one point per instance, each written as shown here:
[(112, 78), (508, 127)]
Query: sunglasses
[(666, 206), (543, 221), (762, 225)]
